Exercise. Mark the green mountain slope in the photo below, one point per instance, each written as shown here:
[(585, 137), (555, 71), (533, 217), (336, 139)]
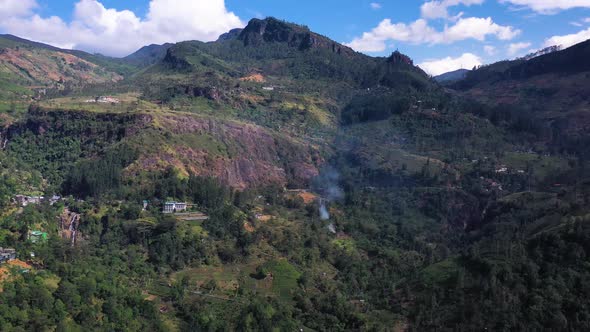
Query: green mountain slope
[(545, 95), (447, 209), (26, 66)]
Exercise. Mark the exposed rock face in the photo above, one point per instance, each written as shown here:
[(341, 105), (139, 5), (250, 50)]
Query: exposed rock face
[(398, 58), (207, 92), (240, 155), (254, 156), (273, 30), (69, 222), (232, 34)]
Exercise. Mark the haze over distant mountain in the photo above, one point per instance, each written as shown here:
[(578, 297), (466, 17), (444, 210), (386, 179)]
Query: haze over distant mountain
[(148, 55), (455, 75)]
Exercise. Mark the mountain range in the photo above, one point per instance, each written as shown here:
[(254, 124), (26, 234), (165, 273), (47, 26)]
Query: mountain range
[(460, 206)]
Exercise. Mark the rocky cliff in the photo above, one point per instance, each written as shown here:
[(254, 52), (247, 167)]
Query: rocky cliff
[(239, 154)]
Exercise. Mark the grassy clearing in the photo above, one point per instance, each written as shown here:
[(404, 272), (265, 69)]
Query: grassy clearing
[(440, 272), (279, 279), (129, 102), (51, 281), (284, 277), (542, 166), (193, 226), (346, 244), (226, 277)]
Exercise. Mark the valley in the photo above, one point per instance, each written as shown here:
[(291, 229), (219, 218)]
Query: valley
[(328, 190)]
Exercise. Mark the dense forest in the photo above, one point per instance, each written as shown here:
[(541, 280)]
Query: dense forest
[(325, 191)]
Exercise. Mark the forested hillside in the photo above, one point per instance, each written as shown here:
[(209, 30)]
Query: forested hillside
[(326, 190)]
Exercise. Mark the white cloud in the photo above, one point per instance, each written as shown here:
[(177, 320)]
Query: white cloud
[(375, 5), (419, 32), (581, 23), (568, 40), (440, 66), (439, 8), (16, 8), (490, 50), (549, 6), (478, 28), (113, 32), (515, 48)]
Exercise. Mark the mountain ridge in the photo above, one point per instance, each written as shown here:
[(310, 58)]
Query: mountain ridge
[(326, 189)]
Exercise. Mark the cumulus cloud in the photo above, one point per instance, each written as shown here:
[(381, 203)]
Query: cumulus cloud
[(12, 8), (419, 32), (568, 40), (440, 66), (97, 28), (549, 6), (490, 50), (515, 48), (375, 5), (440, 8)]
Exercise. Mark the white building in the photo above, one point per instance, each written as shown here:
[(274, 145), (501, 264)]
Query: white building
[(7, 254), (23, 200), (104, 99), (172, 207)]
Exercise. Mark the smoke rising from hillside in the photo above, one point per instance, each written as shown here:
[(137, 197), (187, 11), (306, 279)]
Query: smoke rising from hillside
[(324, 214), (327, 184)]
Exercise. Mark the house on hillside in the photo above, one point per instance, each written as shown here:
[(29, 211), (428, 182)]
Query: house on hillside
[(173, 207), (108, 99), (54, 199), (23, 200), (37, 236), (502, 169), (7, 254), (104, 99)]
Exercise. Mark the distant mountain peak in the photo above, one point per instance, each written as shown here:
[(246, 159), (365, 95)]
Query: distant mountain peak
[(452, 76), (399, 58), (260, 26), (273, 30), (148, 55)]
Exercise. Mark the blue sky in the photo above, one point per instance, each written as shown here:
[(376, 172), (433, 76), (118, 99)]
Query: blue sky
[(439, 35)]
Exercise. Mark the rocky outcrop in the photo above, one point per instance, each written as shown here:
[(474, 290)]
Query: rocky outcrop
[(252, 155), (239, 154), (272, 30), (232, 34), (399, 58), (211, 93), (69, 222)]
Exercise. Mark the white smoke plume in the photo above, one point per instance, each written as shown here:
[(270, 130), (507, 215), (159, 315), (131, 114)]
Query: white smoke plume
[(327, 183)]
